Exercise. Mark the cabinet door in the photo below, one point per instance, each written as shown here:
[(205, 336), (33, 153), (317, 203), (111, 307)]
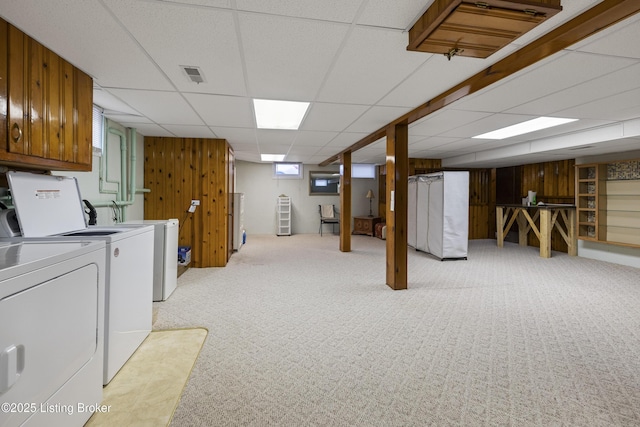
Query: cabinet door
[(4, 38), (17, 109), (49, 108), (83, 122)]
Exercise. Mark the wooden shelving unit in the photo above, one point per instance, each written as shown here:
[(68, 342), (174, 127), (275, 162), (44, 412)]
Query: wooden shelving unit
[(608, 202)]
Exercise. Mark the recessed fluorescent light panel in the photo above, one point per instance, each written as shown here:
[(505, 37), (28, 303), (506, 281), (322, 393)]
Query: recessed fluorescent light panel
[(279, 114), (272, 157), (525, 127)]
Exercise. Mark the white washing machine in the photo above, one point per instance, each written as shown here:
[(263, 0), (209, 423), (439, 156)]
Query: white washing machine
[(50, 207), (51, 332), (165, 256)]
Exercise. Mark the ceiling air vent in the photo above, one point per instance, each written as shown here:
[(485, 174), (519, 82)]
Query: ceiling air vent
[(194, 74)]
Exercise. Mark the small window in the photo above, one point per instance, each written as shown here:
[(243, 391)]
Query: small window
[(98, 120), (284, 170), (361, 170)]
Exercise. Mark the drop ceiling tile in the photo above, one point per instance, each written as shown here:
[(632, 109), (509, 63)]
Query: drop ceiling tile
[(325, 10), (429, 79), (346, 139), (332, 117), (104, 99), (275, 137), (177, 35), (614, 41), (219, 110), (314, 138), (398, 14), (148, 129), (303, 149), (181, 131), (87, 36), (372, 63), (235, 135), (570, 9), (431, 142), (126, 118), (555, 74), (207, 3), (154, 106), (588, 92), (444, 121), (376, 118), (607, 108), (270, 43)]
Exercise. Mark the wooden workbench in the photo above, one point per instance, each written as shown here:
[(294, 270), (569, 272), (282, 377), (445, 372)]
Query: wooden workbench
[(547, 218)]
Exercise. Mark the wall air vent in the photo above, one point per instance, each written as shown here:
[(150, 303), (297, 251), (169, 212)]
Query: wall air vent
[(194, 74)]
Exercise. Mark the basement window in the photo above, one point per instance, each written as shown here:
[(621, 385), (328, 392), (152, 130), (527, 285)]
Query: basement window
[(361, 170), (287, 170)]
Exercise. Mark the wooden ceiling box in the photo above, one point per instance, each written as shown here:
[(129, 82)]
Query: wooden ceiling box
[(477, 29)]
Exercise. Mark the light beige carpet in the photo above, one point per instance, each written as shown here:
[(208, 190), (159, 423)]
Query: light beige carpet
[(146, 390)]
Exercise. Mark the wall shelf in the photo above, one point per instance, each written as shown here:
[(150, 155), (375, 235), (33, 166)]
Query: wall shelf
[(608, 202)]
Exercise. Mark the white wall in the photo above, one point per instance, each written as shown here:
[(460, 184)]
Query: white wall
[(261, 190), (89, 182), (601, 251)]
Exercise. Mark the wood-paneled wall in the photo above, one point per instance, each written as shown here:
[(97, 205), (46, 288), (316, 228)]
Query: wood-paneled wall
[(482, 204), (178, 170), (554, 182)]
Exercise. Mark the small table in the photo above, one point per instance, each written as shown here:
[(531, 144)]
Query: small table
[(365, 224), (549, 219)]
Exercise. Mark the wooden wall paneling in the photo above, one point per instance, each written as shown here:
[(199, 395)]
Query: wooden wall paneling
[(221, 220), (200, 237), (422, 166), (230, 176), (479, 204), (554, 183), (178, 170), (492, 204)]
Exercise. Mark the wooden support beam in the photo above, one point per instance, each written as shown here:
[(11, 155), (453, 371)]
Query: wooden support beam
[(397, 189), (345, 203)]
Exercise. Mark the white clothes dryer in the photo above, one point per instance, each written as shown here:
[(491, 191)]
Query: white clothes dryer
[(51, 332)]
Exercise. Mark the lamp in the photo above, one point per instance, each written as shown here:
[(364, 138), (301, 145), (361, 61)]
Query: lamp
[(370, 197)]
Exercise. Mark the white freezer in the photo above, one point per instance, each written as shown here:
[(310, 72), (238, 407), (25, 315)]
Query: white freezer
[(165, 256)]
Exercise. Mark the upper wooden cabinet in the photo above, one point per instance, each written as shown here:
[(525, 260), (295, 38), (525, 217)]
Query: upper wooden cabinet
[(477, 28), (46, 106)]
